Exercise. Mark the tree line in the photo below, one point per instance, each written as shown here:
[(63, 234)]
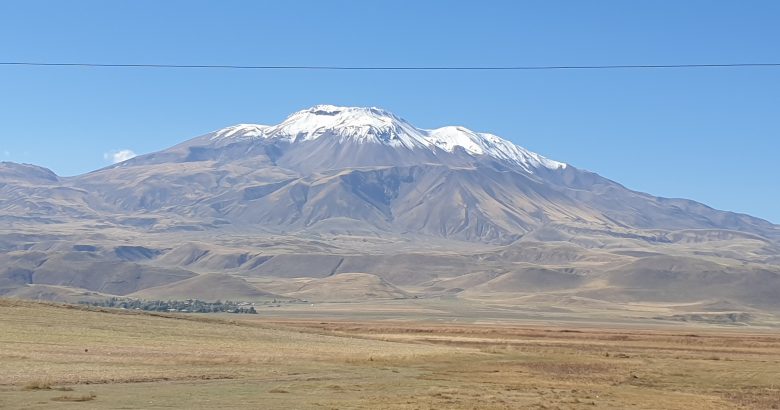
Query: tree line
[(186, 306)]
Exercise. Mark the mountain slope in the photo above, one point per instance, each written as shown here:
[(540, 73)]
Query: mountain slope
[(370, 165), (337, 190)]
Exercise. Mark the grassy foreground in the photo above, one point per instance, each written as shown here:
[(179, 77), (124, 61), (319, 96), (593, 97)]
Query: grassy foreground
[(54, 356)]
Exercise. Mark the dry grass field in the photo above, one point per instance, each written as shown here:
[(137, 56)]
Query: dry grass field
[(63, 357)]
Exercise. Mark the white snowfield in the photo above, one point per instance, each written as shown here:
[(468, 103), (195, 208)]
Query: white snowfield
[(375, 125)]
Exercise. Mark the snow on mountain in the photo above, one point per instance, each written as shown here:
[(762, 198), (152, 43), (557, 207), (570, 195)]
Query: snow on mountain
[(448, 138), (240, 131), (358, 124), (375, 125), (346, 123)]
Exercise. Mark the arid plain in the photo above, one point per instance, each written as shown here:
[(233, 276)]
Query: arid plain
[(394, 355)]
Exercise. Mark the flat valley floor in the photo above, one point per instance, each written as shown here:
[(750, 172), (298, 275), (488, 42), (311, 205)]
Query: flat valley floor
[(400, 356)]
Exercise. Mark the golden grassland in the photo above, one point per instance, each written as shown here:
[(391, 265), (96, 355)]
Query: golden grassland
[(58, 356)]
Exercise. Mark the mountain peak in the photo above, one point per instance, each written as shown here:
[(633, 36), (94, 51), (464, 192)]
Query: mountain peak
[(335, 110), (360, 124), (376, 125)]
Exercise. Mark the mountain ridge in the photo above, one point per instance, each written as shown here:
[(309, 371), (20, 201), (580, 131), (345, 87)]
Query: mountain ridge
[(375, 125), (364, 193)]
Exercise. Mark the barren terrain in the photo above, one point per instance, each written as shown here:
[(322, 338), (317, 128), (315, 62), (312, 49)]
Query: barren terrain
[(62, 356)]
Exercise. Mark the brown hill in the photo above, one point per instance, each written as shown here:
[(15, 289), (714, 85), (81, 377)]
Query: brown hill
[(208, 287)]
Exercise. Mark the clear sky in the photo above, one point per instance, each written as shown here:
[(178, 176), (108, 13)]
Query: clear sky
[(712, 135)]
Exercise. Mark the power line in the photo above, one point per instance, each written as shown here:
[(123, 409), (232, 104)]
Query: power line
[(389, 68)]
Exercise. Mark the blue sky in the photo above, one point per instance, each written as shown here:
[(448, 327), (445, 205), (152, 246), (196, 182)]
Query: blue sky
[(712, 135)]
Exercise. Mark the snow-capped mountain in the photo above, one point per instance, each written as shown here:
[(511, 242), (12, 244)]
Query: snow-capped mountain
[(377, 126), (326, 163), (357, 124), (371, 168), (333, 190)]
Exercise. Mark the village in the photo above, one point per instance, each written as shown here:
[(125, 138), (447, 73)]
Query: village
[(182, 306)]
